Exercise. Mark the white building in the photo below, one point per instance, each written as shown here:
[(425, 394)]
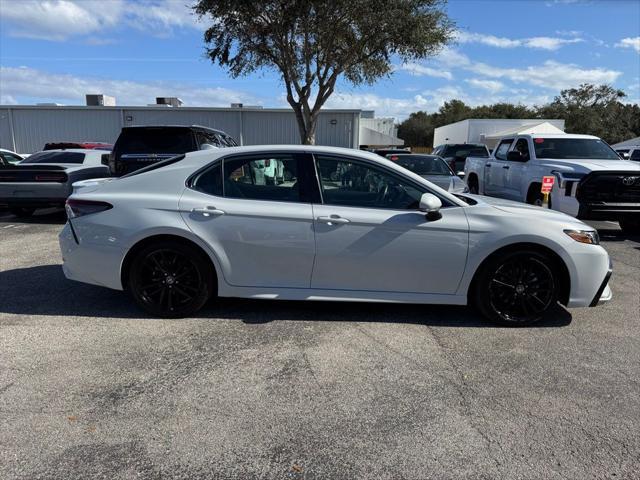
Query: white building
[(632, 142), (488, 131), (26, 128)]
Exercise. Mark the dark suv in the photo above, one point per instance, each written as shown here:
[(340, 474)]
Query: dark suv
[(456, 154), (138, 147)]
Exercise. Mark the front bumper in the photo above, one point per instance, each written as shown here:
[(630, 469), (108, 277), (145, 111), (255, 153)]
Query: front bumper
[(608, 211), (604, 293)]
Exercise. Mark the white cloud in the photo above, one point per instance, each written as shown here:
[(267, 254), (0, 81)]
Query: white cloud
[(543, 43), (492, 86), (450, 57), (47, 87), (60, 20), (420, 70), (631, 42), (550, 74)]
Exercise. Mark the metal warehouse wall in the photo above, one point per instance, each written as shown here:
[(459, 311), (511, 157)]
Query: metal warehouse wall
[(26, 129)]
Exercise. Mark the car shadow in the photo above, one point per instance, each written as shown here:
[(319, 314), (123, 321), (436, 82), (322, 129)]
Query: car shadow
[(43, 290)]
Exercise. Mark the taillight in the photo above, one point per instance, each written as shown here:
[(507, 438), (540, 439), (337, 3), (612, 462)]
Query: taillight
[(78, 208), (393, 158), (51, 177)]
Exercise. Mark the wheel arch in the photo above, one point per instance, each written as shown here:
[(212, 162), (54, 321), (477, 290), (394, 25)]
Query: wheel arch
[(144, 242), (559, 264), (531, 189), (473, 177)]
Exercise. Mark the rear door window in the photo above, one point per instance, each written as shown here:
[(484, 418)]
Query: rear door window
[(635, 155), (264, 177), (55, 157)]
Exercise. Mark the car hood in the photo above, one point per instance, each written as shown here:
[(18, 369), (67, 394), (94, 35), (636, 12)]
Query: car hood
[(587, 165), (530, 212)]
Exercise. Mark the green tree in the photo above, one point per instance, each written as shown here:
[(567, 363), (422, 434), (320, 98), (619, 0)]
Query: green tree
[(594, 110), (417, 130), (313, 43)]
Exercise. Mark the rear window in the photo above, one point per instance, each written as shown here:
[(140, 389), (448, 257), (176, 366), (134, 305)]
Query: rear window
[(574, 148), (424, 164), (156, 140), (464, 151), (55, 157), (155, 166)]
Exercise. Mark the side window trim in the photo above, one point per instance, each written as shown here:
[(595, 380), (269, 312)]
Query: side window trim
[(345, 158)]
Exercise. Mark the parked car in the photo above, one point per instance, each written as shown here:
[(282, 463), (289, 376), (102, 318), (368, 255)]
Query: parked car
[(592, 181), (345, 225), (137, 147), (629, 153), (45, 179), (383, 152), (82, 145), (7, 157), (432, 168), (456, 154)]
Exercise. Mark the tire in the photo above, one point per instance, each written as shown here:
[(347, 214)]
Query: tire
[(516, 288), (473, 186), (169, 279), (534, 196), (22, 212), (630, 225)]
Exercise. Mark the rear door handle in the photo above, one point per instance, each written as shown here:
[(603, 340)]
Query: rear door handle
[(333, 220), (506, 167), (488, 165), (208, 211)]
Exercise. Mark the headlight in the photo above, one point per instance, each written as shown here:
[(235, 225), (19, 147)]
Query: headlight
[(584, 236), (564, 177)]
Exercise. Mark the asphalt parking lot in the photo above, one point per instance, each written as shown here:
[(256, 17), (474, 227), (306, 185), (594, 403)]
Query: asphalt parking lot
[(90, 388)]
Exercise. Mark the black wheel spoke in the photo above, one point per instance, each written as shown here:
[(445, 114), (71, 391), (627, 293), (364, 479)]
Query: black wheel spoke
[(521, 288)]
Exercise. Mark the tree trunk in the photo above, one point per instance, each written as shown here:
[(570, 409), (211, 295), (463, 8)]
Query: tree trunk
[(307, 123)]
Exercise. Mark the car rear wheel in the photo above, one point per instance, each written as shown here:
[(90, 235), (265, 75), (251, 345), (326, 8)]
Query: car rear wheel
[(630, 225), (22, 212), (171, 280), (516, 288), (473, 185)]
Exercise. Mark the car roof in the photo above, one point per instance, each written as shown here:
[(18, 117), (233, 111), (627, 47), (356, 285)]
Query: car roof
[(555, 135), (189, 127), (87, 151)]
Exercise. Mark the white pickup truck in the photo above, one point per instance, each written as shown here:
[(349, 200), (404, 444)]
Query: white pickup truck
[(592, 181)]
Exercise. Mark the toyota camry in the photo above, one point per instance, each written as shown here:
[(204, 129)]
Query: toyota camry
[(321, 223)]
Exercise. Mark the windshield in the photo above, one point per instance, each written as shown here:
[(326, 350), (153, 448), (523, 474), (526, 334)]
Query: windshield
[(424, 164), (464, 151), (55, 157), (574, 148)]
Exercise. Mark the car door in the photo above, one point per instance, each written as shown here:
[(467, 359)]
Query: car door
[(260, 230), (494, 170), (515, 171), (370, 235)]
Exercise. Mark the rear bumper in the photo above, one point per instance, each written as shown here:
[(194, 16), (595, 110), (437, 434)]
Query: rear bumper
[(34, 194)]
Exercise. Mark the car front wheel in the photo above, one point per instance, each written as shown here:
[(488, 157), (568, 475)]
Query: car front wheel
[(170, 279), (516, 288)]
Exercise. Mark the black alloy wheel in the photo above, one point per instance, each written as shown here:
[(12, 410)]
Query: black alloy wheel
[(170, 280), (517, 288)]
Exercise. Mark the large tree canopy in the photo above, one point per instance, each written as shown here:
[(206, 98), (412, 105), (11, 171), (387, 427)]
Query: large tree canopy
[(588, 109), (313, 43)]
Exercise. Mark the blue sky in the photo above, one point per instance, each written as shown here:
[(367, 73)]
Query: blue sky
[(521, 51)]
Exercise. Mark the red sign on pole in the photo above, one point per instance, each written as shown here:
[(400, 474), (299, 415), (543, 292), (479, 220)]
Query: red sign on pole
[(547, 183)]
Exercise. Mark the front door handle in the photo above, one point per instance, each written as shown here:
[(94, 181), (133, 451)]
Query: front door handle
[(333, 220), (506, 167), (208, 211), (487, 165)]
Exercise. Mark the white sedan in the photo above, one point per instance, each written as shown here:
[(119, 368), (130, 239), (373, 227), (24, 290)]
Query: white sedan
[(321, 223)]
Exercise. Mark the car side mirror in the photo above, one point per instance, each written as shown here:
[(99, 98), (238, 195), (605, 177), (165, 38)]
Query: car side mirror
[(430, 204), (104, 159), (460, 175), (515, 156)]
